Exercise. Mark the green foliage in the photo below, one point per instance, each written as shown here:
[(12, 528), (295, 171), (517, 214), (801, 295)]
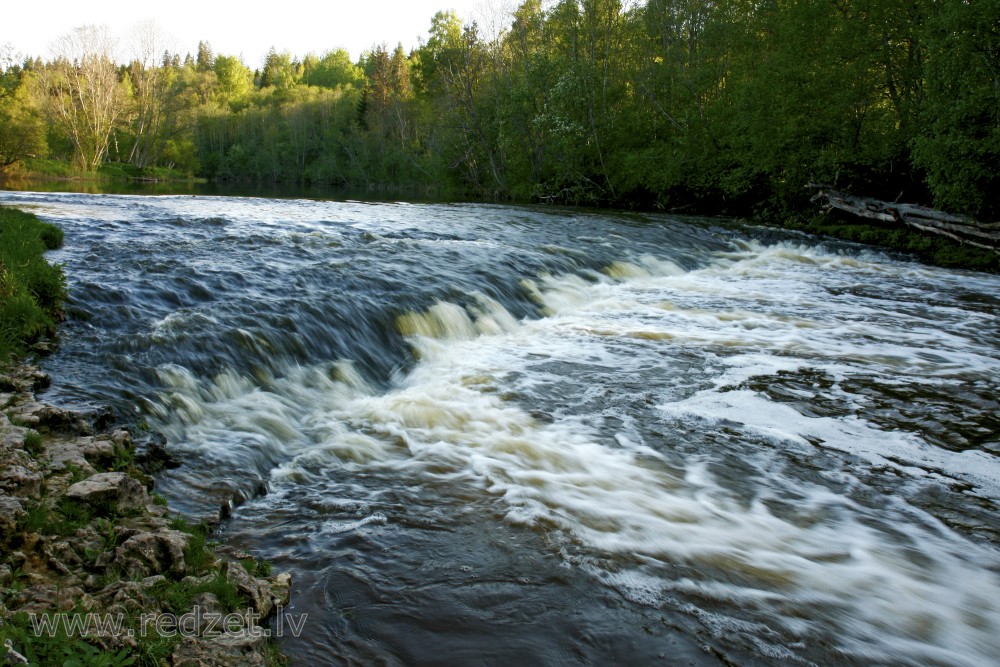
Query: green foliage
[(197, 554), (959, 141), (76, 473), (178, 596), (257, 568), (333, 70), (31, 289), (33, 443), (65, 517), (723, 107), (22, 127), (234, 78), (59, 649)]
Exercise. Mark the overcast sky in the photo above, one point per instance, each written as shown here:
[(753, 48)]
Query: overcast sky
[(246, 30)]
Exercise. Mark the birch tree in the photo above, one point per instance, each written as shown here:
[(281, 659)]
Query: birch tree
[(86, 98)]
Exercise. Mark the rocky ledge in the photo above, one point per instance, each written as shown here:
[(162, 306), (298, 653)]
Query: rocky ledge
[(82, 540)]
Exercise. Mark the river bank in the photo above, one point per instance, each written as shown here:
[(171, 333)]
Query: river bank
[(927, 248), (82, 540), (95, 569)]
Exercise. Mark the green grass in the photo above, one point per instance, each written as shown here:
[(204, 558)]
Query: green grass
[(33, 443), (46, 168), (197, 555), (178, 597), (31, 290), (59, 649)]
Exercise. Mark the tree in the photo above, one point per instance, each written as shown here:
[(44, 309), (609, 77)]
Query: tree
[(959, 141), (235, 80), (453, 68), (279, 71), (22, 130), (332, 70), (205, 62), (85, 97), (153, 120)]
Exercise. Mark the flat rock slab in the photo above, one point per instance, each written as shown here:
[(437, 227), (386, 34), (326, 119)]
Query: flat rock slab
[(110, 488)]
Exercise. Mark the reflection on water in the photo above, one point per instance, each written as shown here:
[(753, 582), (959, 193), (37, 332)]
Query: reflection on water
[(215, 189), (558, 436)]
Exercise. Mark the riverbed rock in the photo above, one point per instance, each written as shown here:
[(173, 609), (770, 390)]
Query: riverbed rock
[(50, 418), (115, 491), (11, 437), (281, 589), (24, 378)]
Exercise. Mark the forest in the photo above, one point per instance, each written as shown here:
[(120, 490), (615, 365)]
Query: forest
[(714, 106)]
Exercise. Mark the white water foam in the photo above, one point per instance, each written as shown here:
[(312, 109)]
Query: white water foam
[(920, 593)]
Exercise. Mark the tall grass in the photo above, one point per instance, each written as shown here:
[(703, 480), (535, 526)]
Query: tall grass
[(31, 290)]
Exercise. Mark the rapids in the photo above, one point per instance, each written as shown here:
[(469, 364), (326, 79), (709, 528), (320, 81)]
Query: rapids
[(496, 434)]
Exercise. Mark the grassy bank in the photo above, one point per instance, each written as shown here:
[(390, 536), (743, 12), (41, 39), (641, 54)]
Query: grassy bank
[(31, 289)]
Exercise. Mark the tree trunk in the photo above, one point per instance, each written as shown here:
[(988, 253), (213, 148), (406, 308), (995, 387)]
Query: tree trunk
[(963, 230)]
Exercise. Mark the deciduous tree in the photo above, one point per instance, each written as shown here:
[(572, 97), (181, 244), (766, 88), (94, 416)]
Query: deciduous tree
[(85, 97)]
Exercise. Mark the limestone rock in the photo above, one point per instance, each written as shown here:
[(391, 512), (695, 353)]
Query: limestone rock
[(11, 437), (68, 453), (281, 589), (258, 591), (49, 417), (242, 649), (62, 557), (10, 512), (24, 378), (121, 438), (19, 481), (114, 490), (146, 553)]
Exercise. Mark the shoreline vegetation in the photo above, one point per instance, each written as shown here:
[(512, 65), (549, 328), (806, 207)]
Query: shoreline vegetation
[(94, 568), (835, 224), (724, 108)]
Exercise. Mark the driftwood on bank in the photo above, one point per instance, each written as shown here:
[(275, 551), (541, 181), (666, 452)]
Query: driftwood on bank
[(958, 228)]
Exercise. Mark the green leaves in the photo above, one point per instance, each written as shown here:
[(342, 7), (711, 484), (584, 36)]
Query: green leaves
[(31, 289), (959, 139)]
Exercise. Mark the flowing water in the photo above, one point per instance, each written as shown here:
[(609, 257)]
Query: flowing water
[(506, 435)]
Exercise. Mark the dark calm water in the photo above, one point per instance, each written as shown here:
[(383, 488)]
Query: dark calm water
[(501, 435)]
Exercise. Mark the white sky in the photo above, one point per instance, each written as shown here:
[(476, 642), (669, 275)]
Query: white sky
[(246, 30)]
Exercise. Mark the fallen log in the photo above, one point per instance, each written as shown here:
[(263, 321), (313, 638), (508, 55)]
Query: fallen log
[(955, 227)]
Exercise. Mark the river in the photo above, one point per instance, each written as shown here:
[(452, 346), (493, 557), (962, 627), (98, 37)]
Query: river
[(516, 435)]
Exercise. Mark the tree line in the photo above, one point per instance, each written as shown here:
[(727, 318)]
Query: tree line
[(711, 105)]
